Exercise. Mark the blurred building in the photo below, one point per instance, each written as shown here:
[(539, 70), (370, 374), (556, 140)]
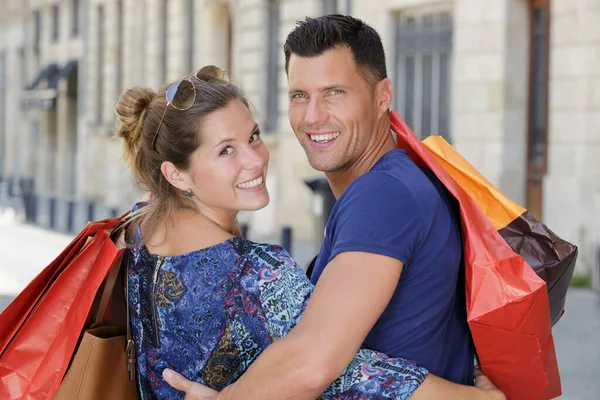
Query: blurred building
[(513, 84)]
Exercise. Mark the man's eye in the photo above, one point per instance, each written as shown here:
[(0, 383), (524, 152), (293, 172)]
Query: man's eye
[(299, 96), (226, 151), (255, 136), (336, 91)]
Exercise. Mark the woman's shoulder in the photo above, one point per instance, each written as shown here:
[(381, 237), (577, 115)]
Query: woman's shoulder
[(274, 265), (266, 255)]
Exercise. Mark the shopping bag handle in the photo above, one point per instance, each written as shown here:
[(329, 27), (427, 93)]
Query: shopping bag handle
[(117, 236), (109, 286)]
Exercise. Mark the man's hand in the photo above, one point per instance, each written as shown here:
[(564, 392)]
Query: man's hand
[(193, 390)]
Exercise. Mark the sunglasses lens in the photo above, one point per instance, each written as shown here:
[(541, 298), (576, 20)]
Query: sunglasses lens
[(214, 72), (182, 95)]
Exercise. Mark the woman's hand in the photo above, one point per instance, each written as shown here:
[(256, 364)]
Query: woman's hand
[(431, 389), (193, 390), (483, 382)]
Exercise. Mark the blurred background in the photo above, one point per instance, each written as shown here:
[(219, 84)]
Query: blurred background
[(514, 85)]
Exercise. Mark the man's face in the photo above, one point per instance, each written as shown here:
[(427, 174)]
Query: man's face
[(332, 109)]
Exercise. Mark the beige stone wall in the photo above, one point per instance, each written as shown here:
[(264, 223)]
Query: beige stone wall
[(291, 200), (490, 90), (11, 40), (572, 186), (490, 62)]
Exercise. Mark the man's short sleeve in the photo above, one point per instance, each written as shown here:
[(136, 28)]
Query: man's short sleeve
[(377, 214)]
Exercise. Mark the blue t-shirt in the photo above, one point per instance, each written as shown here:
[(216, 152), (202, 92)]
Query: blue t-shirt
[(395, 210)]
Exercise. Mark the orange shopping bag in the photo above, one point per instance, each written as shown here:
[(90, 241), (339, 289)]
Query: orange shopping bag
[(40, 329), (507, 303), (552, 258)]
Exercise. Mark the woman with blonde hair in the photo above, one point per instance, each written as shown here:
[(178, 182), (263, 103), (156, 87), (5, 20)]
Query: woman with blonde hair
[(205, 301)]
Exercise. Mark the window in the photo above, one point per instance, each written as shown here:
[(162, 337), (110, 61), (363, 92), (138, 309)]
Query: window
[(37, 30), (272, 66), (329, 7), (100, 64), (537, 138), (23, 68), (3, 96), (538, 85), (74, 17), (119, 61), (164, 31), (189, 41), (55, 26), (423, 58)]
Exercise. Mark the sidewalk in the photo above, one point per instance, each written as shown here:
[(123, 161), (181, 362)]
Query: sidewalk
[(24, 251)]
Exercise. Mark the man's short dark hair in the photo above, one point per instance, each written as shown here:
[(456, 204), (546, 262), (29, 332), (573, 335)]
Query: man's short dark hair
[(314, 36)]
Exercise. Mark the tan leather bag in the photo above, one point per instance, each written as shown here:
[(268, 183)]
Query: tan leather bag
[(104, 364)]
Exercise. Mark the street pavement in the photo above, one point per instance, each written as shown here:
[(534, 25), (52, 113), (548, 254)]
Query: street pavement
[(25, 250)]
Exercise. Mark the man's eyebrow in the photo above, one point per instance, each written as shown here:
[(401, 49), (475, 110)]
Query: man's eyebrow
[(322, 89)]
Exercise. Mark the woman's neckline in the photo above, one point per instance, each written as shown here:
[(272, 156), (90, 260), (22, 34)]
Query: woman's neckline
[(232, 240)]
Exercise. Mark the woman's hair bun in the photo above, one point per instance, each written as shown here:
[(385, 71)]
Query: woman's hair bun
[(131, 111)]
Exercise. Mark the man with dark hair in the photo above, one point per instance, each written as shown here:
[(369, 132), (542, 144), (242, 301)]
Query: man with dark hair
[(388, 275), (315, 36)]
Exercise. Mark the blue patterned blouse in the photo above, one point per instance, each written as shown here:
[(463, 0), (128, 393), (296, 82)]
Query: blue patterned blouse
[(208, 314)]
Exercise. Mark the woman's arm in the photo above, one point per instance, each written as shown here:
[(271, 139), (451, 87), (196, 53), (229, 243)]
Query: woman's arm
[(284, 294), (432, 388)]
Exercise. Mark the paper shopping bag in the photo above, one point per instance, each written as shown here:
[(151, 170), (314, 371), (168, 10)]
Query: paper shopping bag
[(507, 303), (42, 326), (552, 258)]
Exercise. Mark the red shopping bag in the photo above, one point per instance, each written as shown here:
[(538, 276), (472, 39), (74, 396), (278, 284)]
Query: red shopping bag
[(40, 329), (507, 303)]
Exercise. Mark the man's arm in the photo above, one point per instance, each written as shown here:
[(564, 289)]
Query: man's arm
[(347, 301)]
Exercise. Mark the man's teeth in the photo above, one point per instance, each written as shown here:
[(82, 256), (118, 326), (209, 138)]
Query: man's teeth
[(251, 184), (324, 138)]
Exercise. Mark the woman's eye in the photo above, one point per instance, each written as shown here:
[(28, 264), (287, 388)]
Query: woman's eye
[(255, 136), (226, 151)]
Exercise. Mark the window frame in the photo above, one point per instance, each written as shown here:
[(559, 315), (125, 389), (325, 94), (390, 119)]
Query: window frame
[(423, 56), (55, 14)]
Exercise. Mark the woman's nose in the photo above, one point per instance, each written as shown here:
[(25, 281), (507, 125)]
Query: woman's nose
[(253, 159)]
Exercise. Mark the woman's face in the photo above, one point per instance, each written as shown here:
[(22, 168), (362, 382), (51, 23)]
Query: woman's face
[(228, 170)]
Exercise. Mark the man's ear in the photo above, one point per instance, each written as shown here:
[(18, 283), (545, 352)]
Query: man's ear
[(174, 176), (384, 96)]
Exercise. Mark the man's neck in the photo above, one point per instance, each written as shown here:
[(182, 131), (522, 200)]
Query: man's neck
[(382, 143)]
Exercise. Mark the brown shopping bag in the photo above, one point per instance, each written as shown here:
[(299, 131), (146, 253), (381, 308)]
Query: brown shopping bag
[(103, 365), (552, 258)]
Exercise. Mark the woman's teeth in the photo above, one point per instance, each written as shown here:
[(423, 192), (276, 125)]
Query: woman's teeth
[(251, 184), (324, 138)]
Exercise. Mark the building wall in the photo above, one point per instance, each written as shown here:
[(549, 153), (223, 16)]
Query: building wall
[(489, 96), (572, 186), (11, 42)]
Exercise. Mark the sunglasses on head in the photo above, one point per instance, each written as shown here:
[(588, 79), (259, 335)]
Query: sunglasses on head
[(182, 94)]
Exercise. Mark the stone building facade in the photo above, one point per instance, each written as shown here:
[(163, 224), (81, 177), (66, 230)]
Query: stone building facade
[(513, 84)]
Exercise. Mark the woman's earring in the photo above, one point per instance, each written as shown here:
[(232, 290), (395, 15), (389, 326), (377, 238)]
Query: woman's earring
[(188, 193)]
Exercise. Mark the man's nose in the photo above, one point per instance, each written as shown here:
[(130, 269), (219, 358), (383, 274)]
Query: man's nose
[(316, 114)]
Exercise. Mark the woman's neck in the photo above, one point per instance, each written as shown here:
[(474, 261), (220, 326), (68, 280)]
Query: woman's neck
[(188, 231)]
